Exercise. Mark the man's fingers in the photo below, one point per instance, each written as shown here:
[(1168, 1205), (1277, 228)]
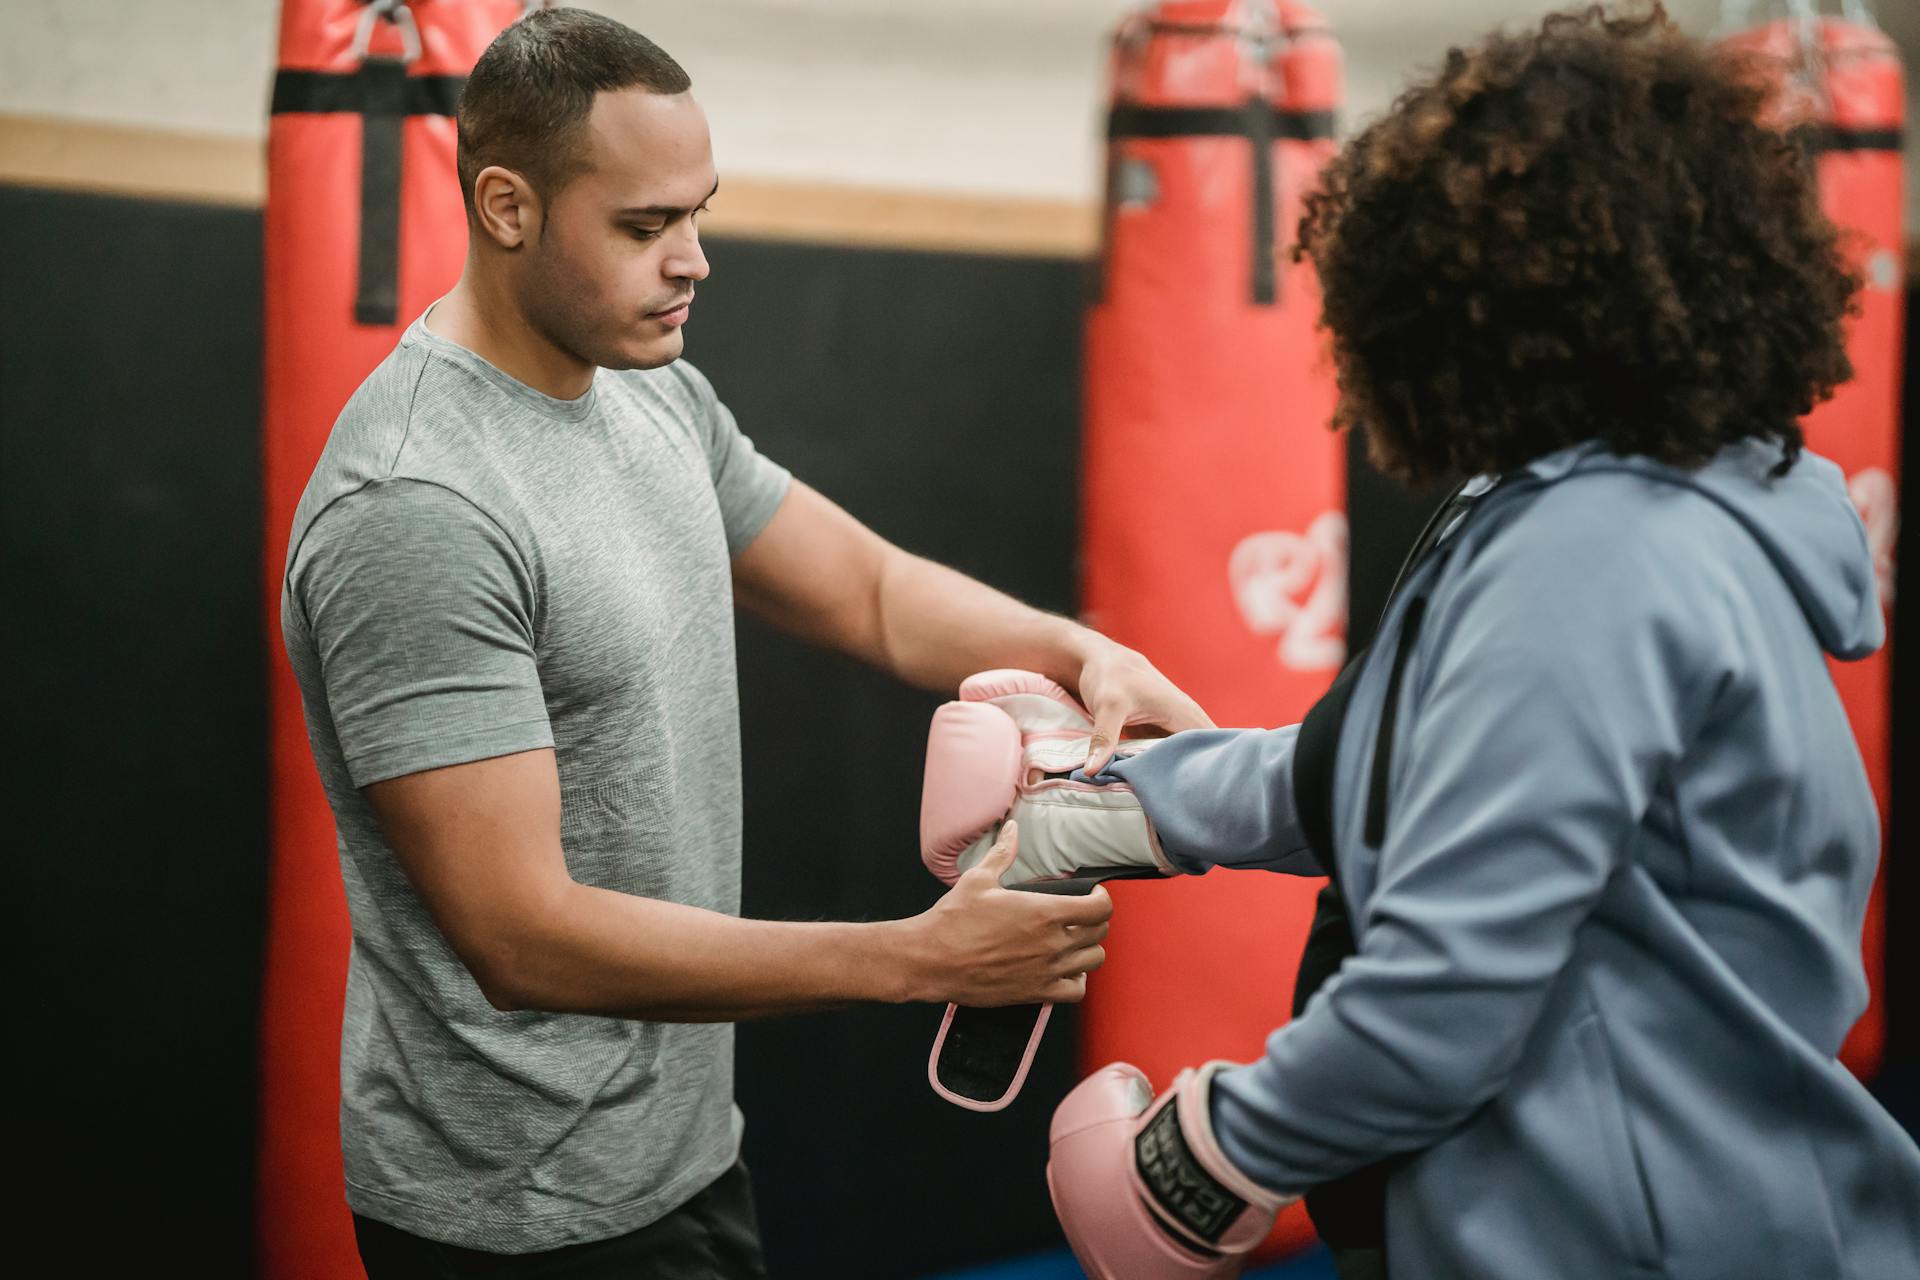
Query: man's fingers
[(1111, 723), (1189, 717), (1084, 960), (1174, 712), (1000, 857), (1068, 990), (1092, 908), (1107, 723), (1085, 935)]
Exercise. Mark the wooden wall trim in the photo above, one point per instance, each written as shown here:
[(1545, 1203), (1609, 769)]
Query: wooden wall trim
[(76, 155), (771, 210), (156, 164)]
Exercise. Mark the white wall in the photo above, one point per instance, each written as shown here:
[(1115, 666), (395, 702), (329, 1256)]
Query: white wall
[(994, 97)]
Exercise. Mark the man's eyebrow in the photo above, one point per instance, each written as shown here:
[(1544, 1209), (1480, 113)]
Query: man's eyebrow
[(666, 210)]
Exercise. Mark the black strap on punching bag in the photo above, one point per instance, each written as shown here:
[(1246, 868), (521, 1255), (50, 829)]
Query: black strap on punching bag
[(383, 95), (1833, 137), (1261, 124)]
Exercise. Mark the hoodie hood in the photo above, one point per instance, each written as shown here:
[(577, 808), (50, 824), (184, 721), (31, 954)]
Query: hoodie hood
[(1804, 520)]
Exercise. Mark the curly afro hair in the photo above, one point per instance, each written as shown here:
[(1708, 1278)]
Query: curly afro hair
[(1584, 232)]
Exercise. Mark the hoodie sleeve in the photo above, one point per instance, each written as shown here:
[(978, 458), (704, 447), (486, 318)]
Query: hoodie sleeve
[(1222, 798), (1546, 701)]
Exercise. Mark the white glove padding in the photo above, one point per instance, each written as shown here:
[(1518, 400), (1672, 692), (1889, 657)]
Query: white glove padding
[(1007, 750)]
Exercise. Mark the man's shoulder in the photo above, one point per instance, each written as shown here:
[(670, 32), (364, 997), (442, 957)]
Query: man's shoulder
[(374, 420), (392, 420), (384, 453), (411, 397)]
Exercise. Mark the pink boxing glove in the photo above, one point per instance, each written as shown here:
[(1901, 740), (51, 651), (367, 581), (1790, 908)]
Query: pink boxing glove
[(1006, 750), (1141, 1187)]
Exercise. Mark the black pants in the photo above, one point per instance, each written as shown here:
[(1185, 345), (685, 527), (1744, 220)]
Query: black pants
[(713, 1236)]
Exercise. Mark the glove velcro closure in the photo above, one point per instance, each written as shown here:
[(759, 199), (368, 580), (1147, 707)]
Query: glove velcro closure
[(1067, 827), (1189, 1183)]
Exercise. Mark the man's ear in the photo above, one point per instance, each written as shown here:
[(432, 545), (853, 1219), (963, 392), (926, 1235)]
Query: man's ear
[(505, 206)]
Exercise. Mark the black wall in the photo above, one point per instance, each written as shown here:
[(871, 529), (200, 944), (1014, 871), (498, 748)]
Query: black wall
[(132, 667), (933, 395), (936, 397)]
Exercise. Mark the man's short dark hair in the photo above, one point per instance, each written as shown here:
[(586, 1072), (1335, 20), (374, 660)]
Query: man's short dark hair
[(527, 103)]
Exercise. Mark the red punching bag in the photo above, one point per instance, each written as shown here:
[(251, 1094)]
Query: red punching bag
[(1214, 536), (364, 228), (1841, 85)]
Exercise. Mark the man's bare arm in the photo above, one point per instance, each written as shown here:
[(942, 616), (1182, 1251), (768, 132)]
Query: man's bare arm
[(481, 844), (818, 573)]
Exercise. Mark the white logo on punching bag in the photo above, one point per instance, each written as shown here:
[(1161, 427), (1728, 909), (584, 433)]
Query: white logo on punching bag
[(1877, 499), (1883, 271), (1295, 587)]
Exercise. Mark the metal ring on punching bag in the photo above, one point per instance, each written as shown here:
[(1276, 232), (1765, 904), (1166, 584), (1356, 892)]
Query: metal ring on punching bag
[(1260, 122), (381, 93)]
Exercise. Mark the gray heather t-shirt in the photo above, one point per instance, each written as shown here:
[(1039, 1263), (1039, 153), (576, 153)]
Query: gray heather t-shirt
[(478, 569)]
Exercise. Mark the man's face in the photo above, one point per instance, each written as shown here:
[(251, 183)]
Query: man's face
[(610, 276)]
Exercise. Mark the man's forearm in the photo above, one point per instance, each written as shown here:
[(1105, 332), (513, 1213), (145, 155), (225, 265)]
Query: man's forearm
[(937, 627), (602, 952)]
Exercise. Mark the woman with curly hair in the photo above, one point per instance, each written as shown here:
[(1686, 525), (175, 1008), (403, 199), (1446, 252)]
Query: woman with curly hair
[(1590, 803)]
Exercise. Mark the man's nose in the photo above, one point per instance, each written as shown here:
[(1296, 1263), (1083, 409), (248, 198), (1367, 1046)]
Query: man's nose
[(687, 261)]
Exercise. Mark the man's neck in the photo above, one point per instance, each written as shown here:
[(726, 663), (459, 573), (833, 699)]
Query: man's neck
[(489, 326)]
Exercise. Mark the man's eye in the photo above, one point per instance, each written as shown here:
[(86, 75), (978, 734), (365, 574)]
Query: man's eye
[(643, 233)]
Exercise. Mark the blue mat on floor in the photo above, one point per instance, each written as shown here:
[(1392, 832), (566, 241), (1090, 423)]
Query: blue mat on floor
[(1315, 1264)]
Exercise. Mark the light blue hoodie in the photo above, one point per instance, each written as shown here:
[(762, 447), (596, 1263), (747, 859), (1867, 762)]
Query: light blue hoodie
[(1609, 942)]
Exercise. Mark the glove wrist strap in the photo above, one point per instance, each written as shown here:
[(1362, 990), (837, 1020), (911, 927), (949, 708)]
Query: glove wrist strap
[(1190, 1184)]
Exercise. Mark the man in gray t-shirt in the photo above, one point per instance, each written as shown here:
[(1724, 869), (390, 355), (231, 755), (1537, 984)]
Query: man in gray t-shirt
[(508, 601)]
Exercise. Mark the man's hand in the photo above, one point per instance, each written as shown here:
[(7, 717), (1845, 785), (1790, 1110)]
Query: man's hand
[(1122, 690), (985, 946), (1008, 749)]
